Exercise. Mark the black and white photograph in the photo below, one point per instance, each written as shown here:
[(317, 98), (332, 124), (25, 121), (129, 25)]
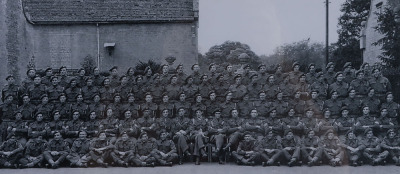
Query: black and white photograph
[(199, 86)]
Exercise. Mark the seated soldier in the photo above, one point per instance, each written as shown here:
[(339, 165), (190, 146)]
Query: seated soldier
[(10, 152), (294, 122), (124, 151), (311, 150), (38, 127), (79, 155), (353, 148), (73, 127), (344, 123), (325, 123), (18, 128), (56, 125), (145, 150), (92, 125), (247, 152), (56, 151), (165, 153), (128, 125), (33, 156), (373, 153), (180, 137), (366, 121), (100, 149), (198, 135), (234, 130), (290, 148), (217, 132), (391, 144), (270, 149), (331, 149)]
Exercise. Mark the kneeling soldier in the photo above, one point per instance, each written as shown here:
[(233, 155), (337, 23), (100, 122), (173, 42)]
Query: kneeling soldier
[(56, 151), (270, 149), (10, 152), (247, 151)]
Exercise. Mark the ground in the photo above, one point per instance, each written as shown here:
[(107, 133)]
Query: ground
[(212, 168)]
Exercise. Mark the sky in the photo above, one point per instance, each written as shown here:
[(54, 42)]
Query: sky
[(265, 24)]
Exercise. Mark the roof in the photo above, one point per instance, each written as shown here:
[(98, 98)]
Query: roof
[(109, 11)]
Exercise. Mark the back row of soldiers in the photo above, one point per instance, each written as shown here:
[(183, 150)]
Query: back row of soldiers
[(233, 112)]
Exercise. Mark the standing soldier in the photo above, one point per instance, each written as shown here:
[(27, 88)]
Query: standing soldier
[(196, 74), (29, 80), (97, 78), (360, 84), (165, 153), (63, 107), (339, 86), (54, 90), (33, 155), (220, 87), (173, 88), (114, 77), (157, 88), (89, 90), (46, 80), (56, 151), (106, 91), (180, 74), (321, 86), (262, 74), (380, 83), (334, 104), (190, 88), (247, 152), (238, 89), (100, 149), (286, 87), (373, 152), (348, 72), (11, 89), (311, 150), (205, 86), (10, 152), (295, 74), (270, 149), (271, 88), (311, 76), (290, 148), (124, 89), (254, 86), (124, 151), (79, 155), (330, 73), (212, 68), (353, 148), (63, 77)]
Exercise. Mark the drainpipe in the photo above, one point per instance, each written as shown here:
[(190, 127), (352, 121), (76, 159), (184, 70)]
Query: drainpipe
[(98, 45)]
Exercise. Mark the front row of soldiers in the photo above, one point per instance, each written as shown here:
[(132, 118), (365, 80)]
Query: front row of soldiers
[(149, 141)]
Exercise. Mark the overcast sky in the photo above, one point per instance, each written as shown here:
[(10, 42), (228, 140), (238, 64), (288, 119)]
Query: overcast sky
[(265, 24)]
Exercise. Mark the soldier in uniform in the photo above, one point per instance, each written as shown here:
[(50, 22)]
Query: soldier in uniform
[(293, 122), (149, 105), (38, 127), (128, 125), (205, 86), (229, 74), (212, 68), (247, 152), (106, 91), (339, 86), (97, 78), (270, 149), (27, 108), (373, 153), (97, 106), (81, 78), (196, 74), (11, 89), (92, 126), (286, 87), (33, 155), (325, 123), (173, 88), (330, 73), (73, 127), (18, 128), (198, 104), (89, 90), (164, 123), (271, 88), (353, 148), (274, 122), (391, 106), (72, 91), (380, 83), (238, 89), (156, 88), (190, 88), (344, 123), (280, 105), (352, 103), (56, 125), (165, 153), (311, 76), (220, 87), (131, 105), (309, 122), (290, 148), (391, 144), (45, 108), (372, 101), (8, 108), (217, 134), (46, 80), (255, 125), (212, 104), (262, 74), (331, 149), (366, 121), (36, 90), (116, 106), (10, 152), (180, 130), (360, 84), (148, 123), (63, 77), (180, 74), (262, 105), (145, 148), (234, 130), (244, 106), (348, 72), (315, 102), (295, 74), (114, 77), (198, 132), (334, 104), (109, 125), (228, 104), (28, 81), (123, 89), (183, 103), (100, 149), (254, 87), (311, 150), (298, 103), (54, 90), (63, 107), (320, 85), (56, 151), (80, 149), (124, 152)]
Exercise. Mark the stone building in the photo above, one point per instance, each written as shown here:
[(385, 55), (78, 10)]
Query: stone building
[(114, 32), (369, 35)]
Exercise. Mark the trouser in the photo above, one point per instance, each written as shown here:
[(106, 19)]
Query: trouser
[(12, 159), (163, 160), (234, 139), (181, 144), (78, 159), (150, 159), (375, 156), (57, 159), (353, 157), (394, 155), (121, 159), (246, 158), (330, 156), (273, 156), (99, 157), (36, 161), (291, 154), (199, 144), (309, 155), (219, 141)]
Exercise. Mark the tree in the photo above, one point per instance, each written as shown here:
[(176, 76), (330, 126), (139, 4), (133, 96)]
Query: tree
[(347, 47), (390, 42), (229, 52), (303, 52)]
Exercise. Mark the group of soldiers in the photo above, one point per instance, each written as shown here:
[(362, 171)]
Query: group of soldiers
[(253, 117)]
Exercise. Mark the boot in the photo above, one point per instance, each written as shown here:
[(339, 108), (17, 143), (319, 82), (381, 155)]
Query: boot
[(197, 160)]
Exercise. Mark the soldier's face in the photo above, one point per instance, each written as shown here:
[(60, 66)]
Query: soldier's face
[(289, 135), (114, 72), (335, 95), (73, 83), (253, 113), (54, 81), (131, 99), (37, 80), (196, 68), (270, 135), (109, 112), (179, 69), (369, 134), (89, 82), (57, 136), (291, 113), (235, 113), (45, 100), (96, 98), (75, 115), (376, 73), (145, 137), (165, 113), (49, 72), (182, 97), (296, 68), (149, 98), (131, 72), (389, 98), (56, 116), (106, 82), (165, 99), (272, 114), (366, 110), (212, 96), (165, 69), (39, 117), (311, 134), (331, 68), (146, 112), (82, 134), (217, 114), (9, 99), (125, 137), (327, 114), (93, 115), (213, 68), (279, 96), (102, 136), (351, 135), (181, 112), (312, 68), (238, 80), (314, 95), (63, 71), (18, 116), (262, 96), (271, 79), (11, 80), (297, 95), (163, 136), (26, 99), (117, 99), (339, 78), (345, 113), (309, 114), (63, 99), (174, 80), (199, 114), (263, 69), (82, 72), (128, 114), (254, 79), (360, 75), (190, 81), (247, 138), (96, 71), (199, 99), (31, 73), (371, 93), (79, 98), (392, 134), (330, 136), (229, 96), (229, 68), (352, 93), (384, 112)]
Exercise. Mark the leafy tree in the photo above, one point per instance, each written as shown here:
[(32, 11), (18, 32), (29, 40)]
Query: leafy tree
[(88, 64), (390, 42), (303, 52), (347, 48), (229, 52)]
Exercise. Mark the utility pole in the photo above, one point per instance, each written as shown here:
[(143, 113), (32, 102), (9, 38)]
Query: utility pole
[(327, 32)]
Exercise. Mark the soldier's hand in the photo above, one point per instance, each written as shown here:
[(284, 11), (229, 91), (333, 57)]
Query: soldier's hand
[(14, 129)]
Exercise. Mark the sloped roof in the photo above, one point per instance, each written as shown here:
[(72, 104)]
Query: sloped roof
[(108, 11)]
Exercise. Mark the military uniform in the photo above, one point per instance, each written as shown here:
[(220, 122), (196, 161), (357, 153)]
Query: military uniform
[(56, 152), (311, 150), (291, 149), (332, 150), (145, 150), (54, 91), (353, 148), (373, 152), (97, 107), (72, 92), (100, 151), (92, 127), (381, 85), (35, 92), (79, 155), (168, 148), (27, 111), (271, 89), (10, 153), (11, 90), (247, 152), (72, 129), (392, 146), (38, 128), (124, 152), (270, 150), (109, 125), (88, 92), (33, 153), (130, 127)]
